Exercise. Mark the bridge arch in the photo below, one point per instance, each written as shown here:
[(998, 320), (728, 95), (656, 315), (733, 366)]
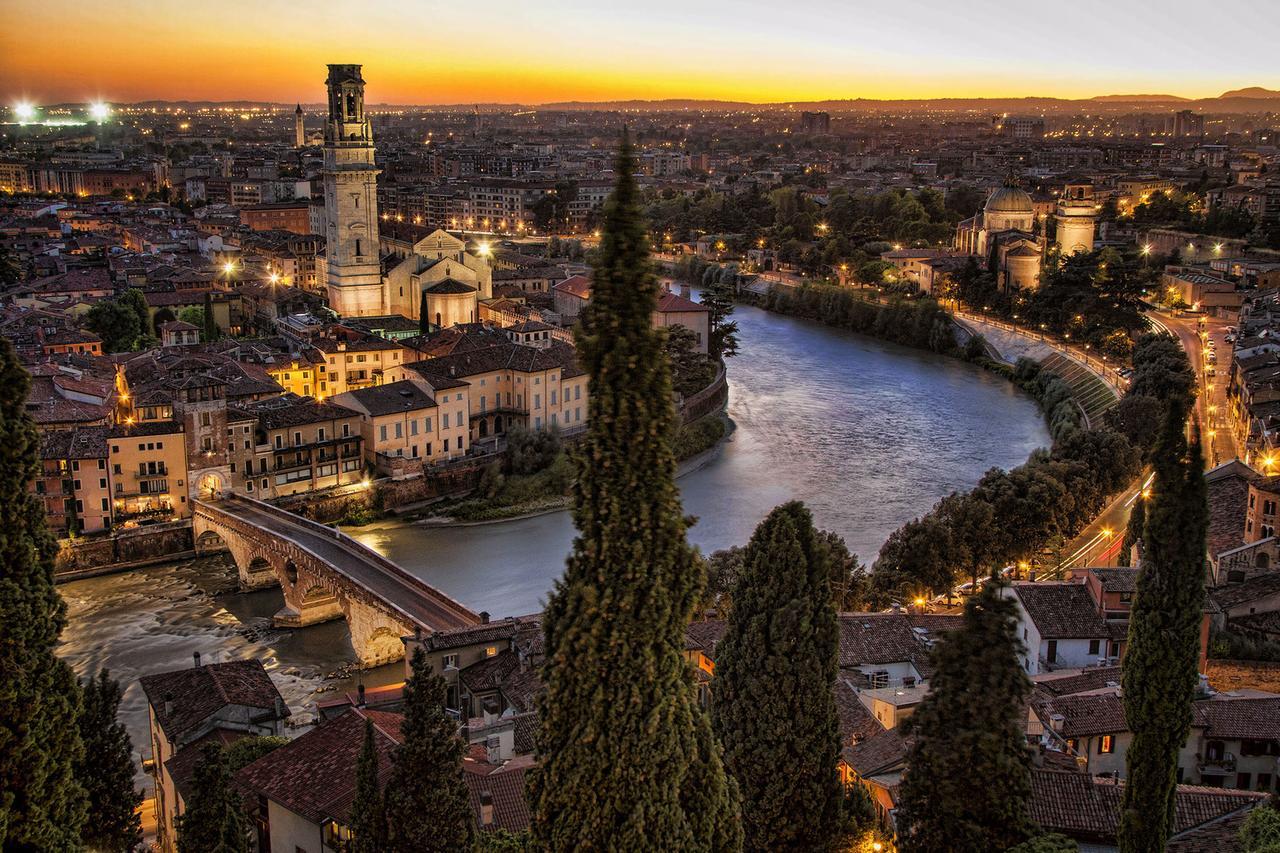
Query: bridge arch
[(210, 542)]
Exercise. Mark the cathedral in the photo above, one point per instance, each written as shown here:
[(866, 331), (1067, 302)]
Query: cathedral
[(367, 276), (1008, 237)]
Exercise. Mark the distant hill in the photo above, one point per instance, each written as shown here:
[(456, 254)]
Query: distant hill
[(1251, 92), (1141, 99)]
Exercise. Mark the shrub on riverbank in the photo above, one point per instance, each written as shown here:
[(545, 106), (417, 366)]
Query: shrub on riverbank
[(918, 323), (501, 495), (699, 436), (1011, 515)]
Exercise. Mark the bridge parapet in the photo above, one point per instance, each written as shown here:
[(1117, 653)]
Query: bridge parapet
[(326, 574)]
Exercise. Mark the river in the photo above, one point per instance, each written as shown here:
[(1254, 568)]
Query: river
[(868, 434)]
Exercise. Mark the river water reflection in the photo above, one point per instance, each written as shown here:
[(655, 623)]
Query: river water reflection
[(868, 434)]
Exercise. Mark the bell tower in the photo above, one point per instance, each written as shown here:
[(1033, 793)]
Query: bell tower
[(299, 129), (351, 200)]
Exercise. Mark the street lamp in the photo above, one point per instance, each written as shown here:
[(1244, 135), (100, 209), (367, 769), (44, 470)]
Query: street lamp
[(99, 111), (24, 112)]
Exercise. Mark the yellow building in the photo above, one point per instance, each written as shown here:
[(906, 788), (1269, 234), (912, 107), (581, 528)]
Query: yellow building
[(147, 467), (409, 423), (511, 384), (297, 445)]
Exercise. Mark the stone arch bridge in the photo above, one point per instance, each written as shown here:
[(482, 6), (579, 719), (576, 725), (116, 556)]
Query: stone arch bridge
[(324, 575)]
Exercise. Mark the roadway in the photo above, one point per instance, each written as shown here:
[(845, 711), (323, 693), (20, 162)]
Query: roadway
[(1211, 402), (419, 601)]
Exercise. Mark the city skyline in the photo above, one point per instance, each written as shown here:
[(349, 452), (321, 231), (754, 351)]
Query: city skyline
[(558, 52)]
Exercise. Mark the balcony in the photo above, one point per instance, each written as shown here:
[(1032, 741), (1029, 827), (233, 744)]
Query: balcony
[(162, 471), (1217, 765)]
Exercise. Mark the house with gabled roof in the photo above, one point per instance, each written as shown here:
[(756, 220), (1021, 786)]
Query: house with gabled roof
[(187, 708)]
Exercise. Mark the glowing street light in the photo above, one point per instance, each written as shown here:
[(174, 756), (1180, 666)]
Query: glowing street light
[(99, 111), (24, 112), (274, 278)]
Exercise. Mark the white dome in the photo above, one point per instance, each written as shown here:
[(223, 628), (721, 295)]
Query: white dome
[(1009, 200)]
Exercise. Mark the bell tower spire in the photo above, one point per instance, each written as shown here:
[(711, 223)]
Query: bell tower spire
[(351, 200)]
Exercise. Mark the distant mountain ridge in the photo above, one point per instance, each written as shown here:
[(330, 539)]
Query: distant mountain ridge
[(1141, 99), (1237, 100), (1251, 92)]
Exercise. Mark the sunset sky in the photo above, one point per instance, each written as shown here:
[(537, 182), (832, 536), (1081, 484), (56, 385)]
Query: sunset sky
[(433, 52)]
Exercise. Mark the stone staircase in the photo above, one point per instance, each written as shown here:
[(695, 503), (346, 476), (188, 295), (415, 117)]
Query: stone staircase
[(1092, 394)]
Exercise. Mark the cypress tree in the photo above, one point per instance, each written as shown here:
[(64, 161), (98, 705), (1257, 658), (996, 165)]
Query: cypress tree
[(368, 820), (968, 778), (214, 821), (773, 705), (620, 742), (426, 802), (106, 770), (42, 804), (424, 320), (1162, 660)]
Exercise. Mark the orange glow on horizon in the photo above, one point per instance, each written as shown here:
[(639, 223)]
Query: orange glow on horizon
[(561, 50)]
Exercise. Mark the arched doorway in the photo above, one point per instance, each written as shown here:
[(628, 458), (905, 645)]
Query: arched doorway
[(484, 427)]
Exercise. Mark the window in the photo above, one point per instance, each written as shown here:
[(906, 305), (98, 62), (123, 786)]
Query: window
[(297, 439), (1243, 780), (1107, 745), (1052, 654), (1264, 781), (446, 445), (490, 651), (449, 661), (382, 433), (1094, 646)]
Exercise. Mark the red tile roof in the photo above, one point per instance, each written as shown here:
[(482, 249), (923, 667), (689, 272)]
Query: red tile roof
[(315, 775), (183, 699), (1086, 808)]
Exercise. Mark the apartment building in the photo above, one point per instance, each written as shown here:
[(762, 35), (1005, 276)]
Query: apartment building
[(409, 423)]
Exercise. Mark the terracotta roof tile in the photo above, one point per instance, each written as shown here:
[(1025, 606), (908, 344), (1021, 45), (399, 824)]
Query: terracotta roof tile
[(183, 699)]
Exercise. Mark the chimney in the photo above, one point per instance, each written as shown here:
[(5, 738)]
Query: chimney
[(360, 695), (484, 617), (486, 808), (196, 655), (1056, 722), (168, 704)]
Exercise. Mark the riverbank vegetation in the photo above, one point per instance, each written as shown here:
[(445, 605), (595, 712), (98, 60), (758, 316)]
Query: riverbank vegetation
[(920, 323), (1011, 516)]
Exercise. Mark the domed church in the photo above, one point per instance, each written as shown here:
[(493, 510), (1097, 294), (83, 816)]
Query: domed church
[(1004, 237)]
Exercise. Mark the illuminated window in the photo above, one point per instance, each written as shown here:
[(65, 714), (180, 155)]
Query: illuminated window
[(490, 651), (1107, 745)]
